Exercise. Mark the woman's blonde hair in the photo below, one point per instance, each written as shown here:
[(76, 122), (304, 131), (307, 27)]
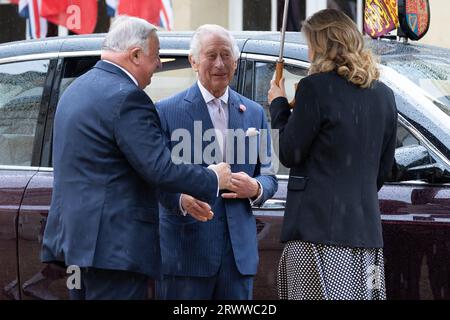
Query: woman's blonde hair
[(336, 44)]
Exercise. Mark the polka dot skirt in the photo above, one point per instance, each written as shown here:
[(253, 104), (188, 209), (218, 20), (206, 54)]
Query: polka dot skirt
[(315, 271)]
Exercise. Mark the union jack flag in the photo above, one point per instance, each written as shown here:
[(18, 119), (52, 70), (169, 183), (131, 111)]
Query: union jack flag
[(166, 15), (111, 7), (143, 10), (37, 26)]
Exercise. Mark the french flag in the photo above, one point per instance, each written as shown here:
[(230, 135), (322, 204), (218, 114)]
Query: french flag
[(166, 15), (31, 9)]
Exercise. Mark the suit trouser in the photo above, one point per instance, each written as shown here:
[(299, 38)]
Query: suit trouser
[(227, 284), (102, 284)]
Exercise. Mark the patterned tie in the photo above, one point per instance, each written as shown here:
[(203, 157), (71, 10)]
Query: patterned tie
[(220, 124)]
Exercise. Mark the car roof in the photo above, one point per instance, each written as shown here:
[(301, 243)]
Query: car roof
[(257, 42)]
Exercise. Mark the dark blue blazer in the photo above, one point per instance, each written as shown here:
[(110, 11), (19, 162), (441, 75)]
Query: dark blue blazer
[(109, 160), (193, 248)]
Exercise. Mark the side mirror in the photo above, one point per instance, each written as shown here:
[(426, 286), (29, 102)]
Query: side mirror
[(411, 156), (415, 163)]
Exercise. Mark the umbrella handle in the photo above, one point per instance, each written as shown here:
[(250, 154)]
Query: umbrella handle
[(278, 75), (279, 71)]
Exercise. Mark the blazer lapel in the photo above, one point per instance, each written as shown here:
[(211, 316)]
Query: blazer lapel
[(236, 117), (198, 111), (197, 108), (235, 122)]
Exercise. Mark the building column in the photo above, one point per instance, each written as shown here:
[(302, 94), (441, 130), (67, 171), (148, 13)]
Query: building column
[(235, 15), (359, 14), (312, 6), (273, 15)]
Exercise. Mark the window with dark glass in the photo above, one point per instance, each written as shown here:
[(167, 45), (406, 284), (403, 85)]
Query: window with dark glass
[(261, 73), (21, 88)]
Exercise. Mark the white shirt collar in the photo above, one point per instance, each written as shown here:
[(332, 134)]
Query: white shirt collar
[(207, 96), (124, 70)]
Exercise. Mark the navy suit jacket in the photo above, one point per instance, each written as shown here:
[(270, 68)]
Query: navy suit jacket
[(193, 248), (109, 160)]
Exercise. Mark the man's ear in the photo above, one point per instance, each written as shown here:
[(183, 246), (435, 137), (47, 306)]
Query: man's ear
[(193, 63), (134, 55)]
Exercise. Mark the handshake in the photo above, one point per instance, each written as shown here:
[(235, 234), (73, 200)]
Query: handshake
[(223, 171), (239, 185)]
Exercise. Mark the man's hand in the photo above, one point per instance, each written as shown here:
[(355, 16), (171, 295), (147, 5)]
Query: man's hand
[(199, 210), (223, 170), (242, 186)]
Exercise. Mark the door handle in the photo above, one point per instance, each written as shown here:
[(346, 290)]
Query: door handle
[(272, 204)]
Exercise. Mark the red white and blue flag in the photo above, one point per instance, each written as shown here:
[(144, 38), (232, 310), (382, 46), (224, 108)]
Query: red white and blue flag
[(166, 15), (157, 12), (31, 9), (111, 7)]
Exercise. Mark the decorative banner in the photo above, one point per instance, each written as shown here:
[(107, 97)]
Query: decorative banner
[(380, 17), (414, 16), (146, 9), (79, 16)]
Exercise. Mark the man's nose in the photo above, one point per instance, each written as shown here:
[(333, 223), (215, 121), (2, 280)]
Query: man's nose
[(219, 62), (159, 63)]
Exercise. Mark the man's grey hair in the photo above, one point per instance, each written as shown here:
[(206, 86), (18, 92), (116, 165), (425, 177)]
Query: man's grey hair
[(128, 32), (211, 29)]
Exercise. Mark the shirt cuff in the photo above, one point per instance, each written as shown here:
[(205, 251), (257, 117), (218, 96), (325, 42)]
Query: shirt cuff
[(258, 199), (218, 183), (183, 212)]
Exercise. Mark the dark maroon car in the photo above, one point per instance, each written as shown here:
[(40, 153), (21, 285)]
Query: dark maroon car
[(415, 205)]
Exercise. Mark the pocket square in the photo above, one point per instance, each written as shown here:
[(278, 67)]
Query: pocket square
[(251, 132)]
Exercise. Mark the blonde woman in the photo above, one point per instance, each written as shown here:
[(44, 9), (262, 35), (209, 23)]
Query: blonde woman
[(339, 142)]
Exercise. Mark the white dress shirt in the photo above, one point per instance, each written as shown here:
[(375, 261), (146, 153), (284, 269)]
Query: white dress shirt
[(208, 97), (124, 70)]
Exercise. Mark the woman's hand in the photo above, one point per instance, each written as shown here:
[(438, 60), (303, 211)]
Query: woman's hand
[(276, 91)]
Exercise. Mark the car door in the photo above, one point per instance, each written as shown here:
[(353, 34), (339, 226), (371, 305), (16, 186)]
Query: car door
[(24, 89), (415, 209), (257, 71)]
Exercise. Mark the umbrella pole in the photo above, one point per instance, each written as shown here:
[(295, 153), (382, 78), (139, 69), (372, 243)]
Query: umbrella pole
[(280, 62)]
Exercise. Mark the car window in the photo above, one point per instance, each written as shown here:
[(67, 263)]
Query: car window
[(257, 81), (21, 88), (176, 75), (414, 160), (415, 104), (75, 67), (432, 74)]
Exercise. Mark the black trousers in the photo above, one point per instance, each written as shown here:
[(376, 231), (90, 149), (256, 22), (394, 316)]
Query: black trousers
[(102, 284)]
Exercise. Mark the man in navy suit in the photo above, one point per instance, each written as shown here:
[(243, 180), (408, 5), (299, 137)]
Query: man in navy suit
[(109, 160), (214, 258)]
